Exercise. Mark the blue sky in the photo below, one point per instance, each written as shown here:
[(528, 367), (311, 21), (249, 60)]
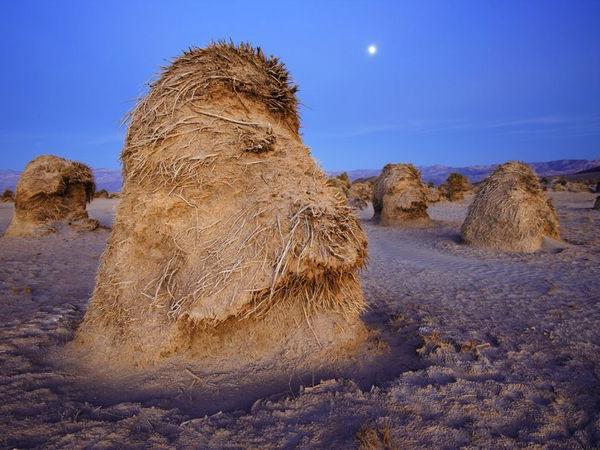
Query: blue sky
[(453, 82)]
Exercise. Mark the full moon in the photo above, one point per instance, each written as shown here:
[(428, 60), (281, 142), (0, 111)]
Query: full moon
[(372, 49)]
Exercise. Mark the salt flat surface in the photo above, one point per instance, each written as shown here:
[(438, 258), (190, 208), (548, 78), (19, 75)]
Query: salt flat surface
[(504, 350)]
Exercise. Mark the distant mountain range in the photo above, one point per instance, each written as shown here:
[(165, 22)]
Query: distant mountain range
[(438, 173), (110, 179)]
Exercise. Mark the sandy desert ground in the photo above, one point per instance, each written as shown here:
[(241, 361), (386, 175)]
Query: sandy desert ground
[(486, 350)]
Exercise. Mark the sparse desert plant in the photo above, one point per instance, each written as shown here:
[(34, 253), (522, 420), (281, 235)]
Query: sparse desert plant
[(399, 196), (456, 186), (372, 437), (8, 196), (511, 212), (241, 253), (51, 190)]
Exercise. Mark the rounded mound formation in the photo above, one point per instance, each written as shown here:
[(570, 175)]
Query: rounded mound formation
[(400, 197), (228, 246), (360, 194), (7, 196), (511, 212), (52, 190), (456, 186)]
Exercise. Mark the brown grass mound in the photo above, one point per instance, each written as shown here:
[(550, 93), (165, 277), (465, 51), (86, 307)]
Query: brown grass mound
[(102, 193), (51, 190), (228, 246), (7, 196), (433, 194), (360, 194), (455, 187), (511, 212), (399, 196), (339, 186)]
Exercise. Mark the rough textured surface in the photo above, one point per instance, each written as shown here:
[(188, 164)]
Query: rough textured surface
[(455, 187), (511, 212), (228, 246), (360, 194), (503, 352), (52, 190), (400, 197)]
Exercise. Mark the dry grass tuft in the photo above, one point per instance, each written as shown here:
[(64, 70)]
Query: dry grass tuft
[(7, 196), (360, 194), (52, 189), (400, 197), (228, 244), (371, 437), (102, 193), (511, 212), (455, 187)]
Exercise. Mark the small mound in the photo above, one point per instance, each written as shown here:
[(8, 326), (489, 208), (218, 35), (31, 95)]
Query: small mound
[(511, 212), (433, 194), (360, 194), (52, 190), (455, 187), (7, 196), (102, 193), (241, 253), (340, 185), (400, 197)]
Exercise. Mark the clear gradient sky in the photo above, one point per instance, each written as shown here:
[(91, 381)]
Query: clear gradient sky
[(453, 82)]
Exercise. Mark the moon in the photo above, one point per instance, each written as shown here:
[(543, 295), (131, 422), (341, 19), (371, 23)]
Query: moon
[(372, 49)]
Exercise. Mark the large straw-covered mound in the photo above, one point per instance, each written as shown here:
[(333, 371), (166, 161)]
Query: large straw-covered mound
[(52, 190), (228, 246), (400, 197), (511, 212)]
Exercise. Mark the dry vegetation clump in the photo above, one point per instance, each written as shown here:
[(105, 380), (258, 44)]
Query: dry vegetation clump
[(511, 212), (7, 196), (372, 437), (360, 194), (52, 190), (102, 193), (578, 186), (455, 187), (228, 247), (399, 196), (340, 185), (433, 194), (562, 185)]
